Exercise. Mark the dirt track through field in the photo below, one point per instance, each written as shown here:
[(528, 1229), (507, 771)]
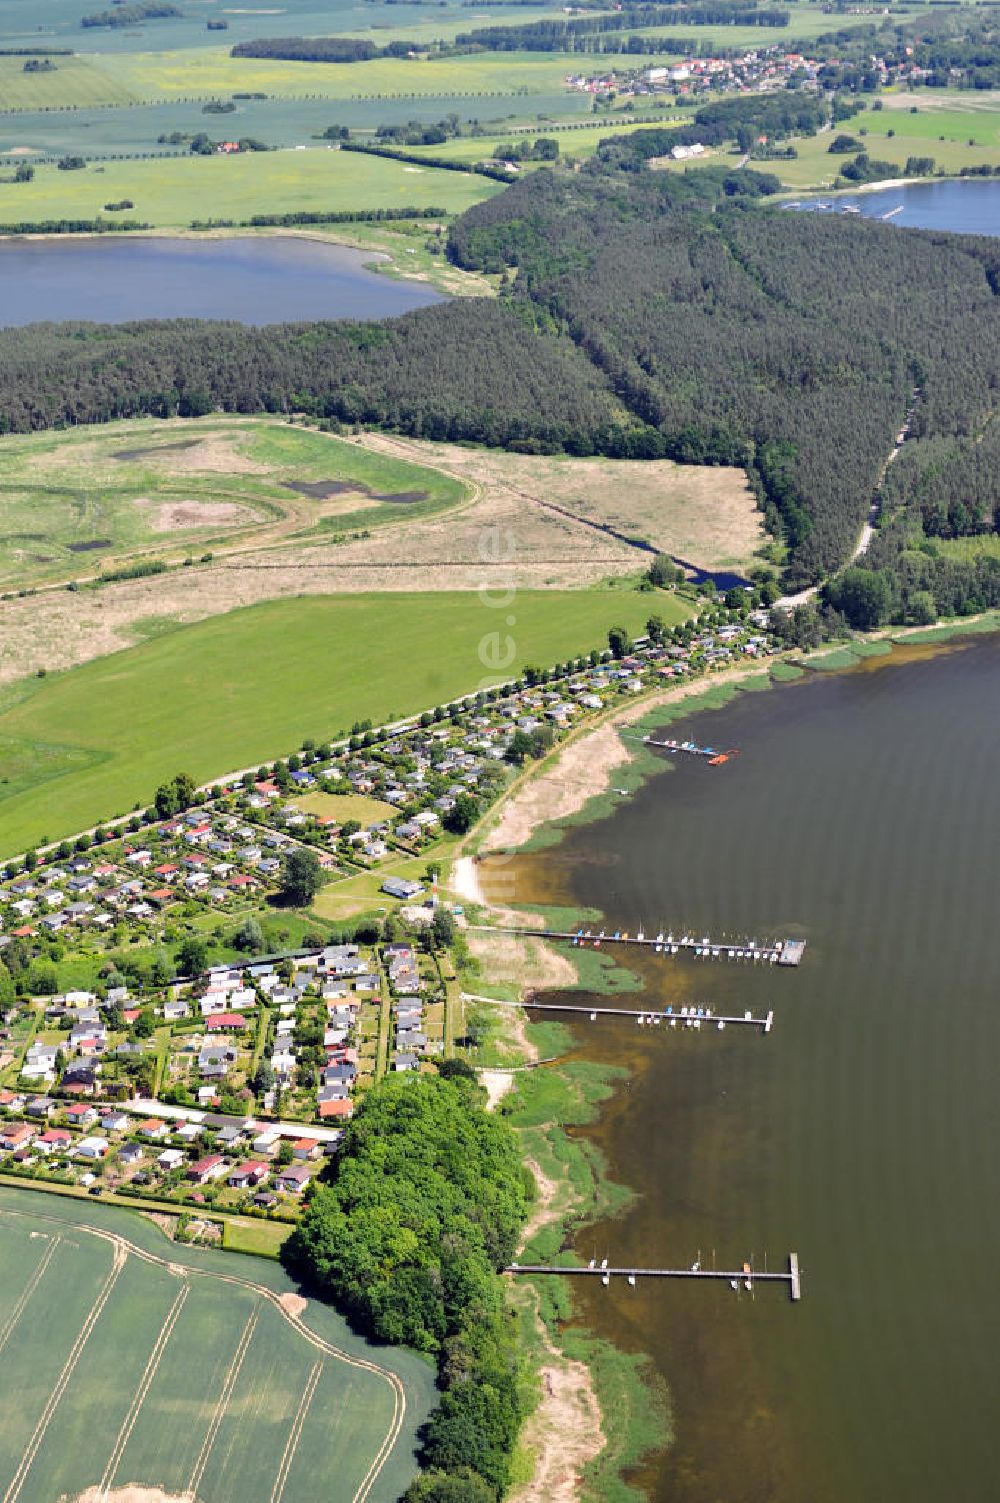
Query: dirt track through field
[(294, 1434), (225, 1394), (139, 1398), (119, 1259), (27, 1292)]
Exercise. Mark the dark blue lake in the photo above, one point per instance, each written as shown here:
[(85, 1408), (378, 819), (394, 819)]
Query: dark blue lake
[(255, 279), (968, 206)]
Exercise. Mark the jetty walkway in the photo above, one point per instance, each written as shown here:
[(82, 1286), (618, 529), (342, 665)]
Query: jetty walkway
[(784, 952), (746, 1276)]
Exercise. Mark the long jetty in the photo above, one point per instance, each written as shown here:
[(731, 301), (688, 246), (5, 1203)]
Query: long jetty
[(738, 1276), (786, 952), (686, 1015)]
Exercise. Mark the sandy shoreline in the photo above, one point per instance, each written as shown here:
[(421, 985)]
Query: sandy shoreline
[(582, 770)]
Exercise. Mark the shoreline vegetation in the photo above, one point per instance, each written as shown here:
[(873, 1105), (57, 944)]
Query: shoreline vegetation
[(597, 1410)]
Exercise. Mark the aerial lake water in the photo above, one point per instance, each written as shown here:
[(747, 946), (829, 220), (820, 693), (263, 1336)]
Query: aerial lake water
[(255, 279), (862, 813), (967, 206)]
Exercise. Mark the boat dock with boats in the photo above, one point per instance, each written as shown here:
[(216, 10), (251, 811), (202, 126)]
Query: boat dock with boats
[(713, 756), (684, 1015), (746, 1277), (784, 952)]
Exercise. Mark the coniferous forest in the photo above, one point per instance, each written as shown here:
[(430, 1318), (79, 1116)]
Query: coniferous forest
[(641, 314)]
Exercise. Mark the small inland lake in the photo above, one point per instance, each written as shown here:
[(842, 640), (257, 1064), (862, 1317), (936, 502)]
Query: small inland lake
[(863, 814), (263, 279), (966, 206)]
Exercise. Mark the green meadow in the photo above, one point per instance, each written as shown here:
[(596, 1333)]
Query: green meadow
[(170, 192), (75, 502), (183, 1381), (241, 689)]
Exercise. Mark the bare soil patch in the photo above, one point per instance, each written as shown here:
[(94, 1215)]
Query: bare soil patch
[(293, 1303), (564, 1432), (182, 516), (215, 453), (132, 1492)]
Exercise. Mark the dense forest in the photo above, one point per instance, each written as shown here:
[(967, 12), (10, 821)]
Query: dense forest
[(321, 49), (423, 1210), (789, 343), (600, 33), (642, 314), (130, 15), (473, 369)]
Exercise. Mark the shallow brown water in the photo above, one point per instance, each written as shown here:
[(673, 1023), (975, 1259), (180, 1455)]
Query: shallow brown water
[(863, 813)]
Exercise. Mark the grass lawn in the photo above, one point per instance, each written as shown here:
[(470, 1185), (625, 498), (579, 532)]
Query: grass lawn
[(264, 1238), (172, 191), (185, 1382), (574, 141), (243, 688), (345, 806)]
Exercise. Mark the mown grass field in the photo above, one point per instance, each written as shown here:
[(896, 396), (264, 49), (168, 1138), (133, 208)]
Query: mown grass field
[(172, 191), (76, 502), (186, 1377), (243, 688)]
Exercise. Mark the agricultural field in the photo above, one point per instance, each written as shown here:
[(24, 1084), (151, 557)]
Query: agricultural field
[(241, 689), (171, 191), (74, 503), (74, 83), (211, 72), (140, 1365)]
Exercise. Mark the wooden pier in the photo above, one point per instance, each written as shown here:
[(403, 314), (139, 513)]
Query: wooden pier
[(686, 1016), (740, 1277), (784, 952)]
